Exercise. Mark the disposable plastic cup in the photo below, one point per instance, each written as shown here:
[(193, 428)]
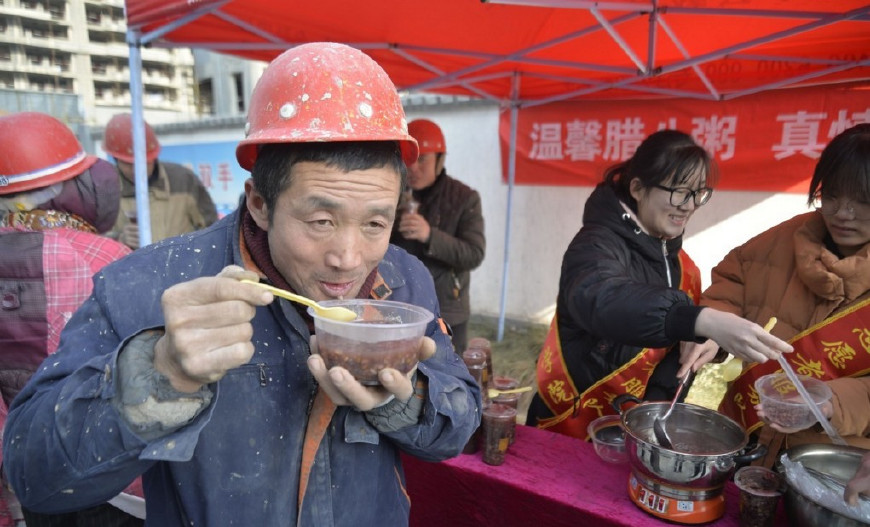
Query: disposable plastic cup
[(385, 334), (608, 438), (497, 422), (784, 405), (760, 491)]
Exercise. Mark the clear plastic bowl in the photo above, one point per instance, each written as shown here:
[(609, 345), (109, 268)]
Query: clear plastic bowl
[(783, 404), (608, 436), (385, 334)]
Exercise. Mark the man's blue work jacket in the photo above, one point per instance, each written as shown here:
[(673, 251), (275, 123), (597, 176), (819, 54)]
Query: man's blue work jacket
[(238, 462)]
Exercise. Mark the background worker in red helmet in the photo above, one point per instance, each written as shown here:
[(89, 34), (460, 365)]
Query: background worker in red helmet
[(55, 201), (213, 389), (179, 202), (443, 227)]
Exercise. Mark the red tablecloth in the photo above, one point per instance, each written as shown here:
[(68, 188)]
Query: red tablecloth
[(547, 480)]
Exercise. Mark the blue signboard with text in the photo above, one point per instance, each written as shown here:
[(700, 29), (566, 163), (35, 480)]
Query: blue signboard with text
[(217, 168)]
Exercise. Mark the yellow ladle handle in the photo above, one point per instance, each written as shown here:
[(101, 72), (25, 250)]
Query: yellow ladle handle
[(284, 294), (493, 393), (734, 367)]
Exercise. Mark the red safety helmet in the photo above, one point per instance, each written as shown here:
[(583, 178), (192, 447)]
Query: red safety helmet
[(38, 151), (324, 92), (428, 136), (118, 139)]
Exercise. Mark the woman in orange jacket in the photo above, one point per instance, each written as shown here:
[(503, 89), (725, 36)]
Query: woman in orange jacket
[(811, 272)]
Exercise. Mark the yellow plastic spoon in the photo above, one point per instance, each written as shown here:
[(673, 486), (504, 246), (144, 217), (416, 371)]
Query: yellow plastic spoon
[(493, 393), (734, 367), (342, 314)]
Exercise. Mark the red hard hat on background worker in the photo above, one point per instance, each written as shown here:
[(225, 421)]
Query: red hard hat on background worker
[(45, 167), (118, 139), (361, 105), (429, 136), (49, 152)]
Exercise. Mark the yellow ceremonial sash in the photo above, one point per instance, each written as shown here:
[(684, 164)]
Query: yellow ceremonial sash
[(838, 346), (573, 411)]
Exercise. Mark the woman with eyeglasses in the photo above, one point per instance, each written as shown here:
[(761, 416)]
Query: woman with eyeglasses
[(811, 272), (628, 292)]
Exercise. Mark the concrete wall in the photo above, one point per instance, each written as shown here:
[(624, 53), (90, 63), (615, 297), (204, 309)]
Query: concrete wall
[(544, 219)]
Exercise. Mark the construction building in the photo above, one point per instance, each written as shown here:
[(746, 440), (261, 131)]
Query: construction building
[(78, 49)]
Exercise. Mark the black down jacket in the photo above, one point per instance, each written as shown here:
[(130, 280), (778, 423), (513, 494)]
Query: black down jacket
[(615, 299)]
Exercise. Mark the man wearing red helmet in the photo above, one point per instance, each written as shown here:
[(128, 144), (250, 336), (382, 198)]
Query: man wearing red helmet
[(55, 201), (179, 201), (443, 227), (213, 389)]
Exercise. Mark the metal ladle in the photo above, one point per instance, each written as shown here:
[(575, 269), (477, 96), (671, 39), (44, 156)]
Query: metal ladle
[(659, 422)]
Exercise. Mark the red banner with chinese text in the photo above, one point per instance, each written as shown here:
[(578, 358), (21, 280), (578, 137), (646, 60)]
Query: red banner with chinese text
[(765, 142)]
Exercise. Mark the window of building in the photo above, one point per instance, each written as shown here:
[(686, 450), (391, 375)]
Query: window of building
[(56, 11), (239, 84), (205, 97), (97, 37), (61, 63)]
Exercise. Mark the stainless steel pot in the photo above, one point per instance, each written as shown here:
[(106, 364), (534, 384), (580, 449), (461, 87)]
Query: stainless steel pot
[(835, 460), (707, 446)]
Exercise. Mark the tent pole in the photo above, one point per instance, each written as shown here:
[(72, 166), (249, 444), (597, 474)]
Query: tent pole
[(143, 211), (512, 169)]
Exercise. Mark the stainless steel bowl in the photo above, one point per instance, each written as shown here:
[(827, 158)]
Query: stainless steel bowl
[(835, 460)]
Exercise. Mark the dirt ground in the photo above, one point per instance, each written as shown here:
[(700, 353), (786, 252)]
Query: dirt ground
[(517, 352)]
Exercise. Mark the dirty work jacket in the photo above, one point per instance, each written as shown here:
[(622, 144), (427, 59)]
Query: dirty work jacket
[(238, 462)]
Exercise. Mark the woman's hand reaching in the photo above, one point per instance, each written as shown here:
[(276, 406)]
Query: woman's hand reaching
[(738, 336)]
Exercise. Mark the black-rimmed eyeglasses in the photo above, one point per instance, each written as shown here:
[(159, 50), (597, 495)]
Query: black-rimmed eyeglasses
[(680, 195)]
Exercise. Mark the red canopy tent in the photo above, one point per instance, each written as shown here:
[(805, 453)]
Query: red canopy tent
[(528, 53)]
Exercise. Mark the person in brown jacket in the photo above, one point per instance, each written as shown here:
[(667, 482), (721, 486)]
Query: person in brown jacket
[(441, 223), (179, 201), (811, 272)]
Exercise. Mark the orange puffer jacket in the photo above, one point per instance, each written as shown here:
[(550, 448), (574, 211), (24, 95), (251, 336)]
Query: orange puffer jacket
[(852, 407), (787, 272)]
